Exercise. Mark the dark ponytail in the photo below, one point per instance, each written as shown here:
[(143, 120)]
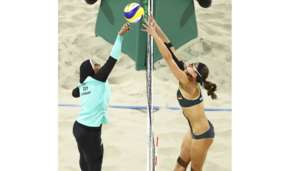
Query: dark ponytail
[(202, 79), (211, 88)]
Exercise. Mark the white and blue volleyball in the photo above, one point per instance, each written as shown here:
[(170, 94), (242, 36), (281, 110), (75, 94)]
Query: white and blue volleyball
[(133, 12)]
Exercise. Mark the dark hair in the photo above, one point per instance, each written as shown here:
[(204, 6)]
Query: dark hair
[(91, 2), (211, 88), (202, 79)]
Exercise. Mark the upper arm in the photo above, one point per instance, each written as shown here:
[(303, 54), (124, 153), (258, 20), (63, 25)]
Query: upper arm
[(179, 74), (105, 70)]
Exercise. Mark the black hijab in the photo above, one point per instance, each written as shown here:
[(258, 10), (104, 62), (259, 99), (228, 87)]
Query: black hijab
[(86, 70)]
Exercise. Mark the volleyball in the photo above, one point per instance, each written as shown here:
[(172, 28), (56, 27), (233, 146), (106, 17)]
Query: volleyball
[(133, 12)]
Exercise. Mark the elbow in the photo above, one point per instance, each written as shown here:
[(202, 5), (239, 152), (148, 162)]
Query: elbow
[(75, 93)]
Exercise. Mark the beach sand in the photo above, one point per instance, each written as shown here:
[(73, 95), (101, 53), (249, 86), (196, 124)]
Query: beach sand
[(125, 136)]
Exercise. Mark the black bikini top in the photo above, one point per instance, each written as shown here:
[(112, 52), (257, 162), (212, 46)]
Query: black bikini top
[(183, 101), (186, 102)]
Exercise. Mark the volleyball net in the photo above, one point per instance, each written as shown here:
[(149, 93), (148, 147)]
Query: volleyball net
[(151, 157)]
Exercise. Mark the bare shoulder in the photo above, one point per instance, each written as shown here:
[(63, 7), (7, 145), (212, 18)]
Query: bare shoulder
[(189, 91)]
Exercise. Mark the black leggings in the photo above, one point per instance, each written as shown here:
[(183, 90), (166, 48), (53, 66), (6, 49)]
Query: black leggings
[(90, 146), (204, 3)]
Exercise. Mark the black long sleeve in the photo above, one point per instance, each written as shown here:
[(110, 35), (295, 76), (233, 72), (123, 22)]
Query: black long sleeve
[(75, 92), (105, 70), (179, 63)]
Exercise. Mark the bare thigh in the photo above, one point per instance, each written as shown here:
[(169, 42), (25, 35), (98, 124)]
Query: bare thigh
[(185, 153), (199, 149)]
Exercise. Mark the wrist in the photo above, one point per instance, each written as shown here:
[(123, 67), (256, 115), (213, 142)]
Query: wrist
[(119, 37), (154, 32), (157, 28), (169, 44)]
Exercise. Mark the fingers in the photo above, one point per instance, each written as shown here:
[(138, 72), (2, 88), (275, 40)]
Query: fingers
[(151, 18), (145, 21), (126, 24), (146, 26), (126, 27), (151, 21), (146, 30)]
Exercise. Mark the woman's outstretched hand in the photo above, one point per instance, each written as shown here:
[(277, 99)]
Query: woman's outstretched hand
[(150, 26), (125, 28), (153, 21)]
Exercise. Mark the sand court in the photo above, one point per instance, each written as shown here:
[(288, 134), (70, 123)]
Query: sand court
[(125, 136), (125, 139)]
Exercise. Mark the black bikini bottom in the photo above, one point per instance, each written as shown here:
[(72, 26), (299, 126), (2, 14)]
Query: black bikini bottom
[(208, 134)]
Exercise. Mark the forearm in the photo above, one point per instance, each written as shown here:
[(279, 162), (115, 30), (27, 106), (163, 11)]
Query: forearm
[(116, 49), (164, 38), (164, 51), (162, 35), (179, 63), (105, 70), (177, 72)]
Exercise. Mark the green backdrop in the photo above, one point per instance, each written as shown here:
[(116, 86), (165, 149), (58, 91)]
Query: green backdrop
[(176, 18)]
